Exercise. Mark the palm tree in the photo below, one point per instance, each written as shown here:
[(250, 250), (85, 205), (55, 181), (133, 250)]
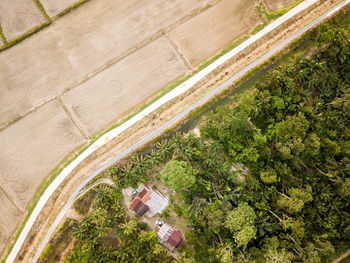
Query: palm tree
[(141, 163), (103, 197), (165, 148), (154, 158), (129, 227)]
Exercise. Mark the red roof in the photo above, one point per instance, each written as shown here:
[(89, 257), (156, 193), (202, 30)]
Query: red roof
[(175, 238), (135, 203), (141, 209), (143, 192), (146, 196)]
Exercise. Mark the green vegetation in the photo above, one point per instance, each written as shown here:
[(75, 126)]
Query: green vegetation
[(267, 16), (179, 175), (276, 14), (42, 9), (106, 234), (2, 36), (46, 250), (267, 181)]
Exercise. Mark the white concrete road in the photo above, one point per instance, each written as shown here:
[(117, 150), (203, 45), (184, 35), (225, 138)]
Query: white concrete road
[(174, 93)]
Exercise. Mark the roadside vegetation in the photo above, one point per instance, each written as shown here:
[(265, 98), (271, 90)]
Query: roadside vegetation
[(267, 180)]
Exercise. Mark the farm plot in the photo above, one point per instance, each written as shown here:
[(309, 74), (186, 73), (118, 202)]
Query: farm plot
[(29, 149), (110, 94), (79, 44), (273, 5), (54, 7), (19, 16), (205, 34), (9, 216)]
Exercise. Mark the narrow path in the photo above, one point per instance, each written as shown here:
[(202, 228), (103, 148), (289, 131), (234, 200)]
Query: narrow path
[(94, 184), (345, 255), (173, 94)]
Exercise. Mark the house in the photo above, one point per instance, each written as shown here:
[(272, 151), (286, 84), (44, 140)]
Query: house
[(150, 202), (169, 237)]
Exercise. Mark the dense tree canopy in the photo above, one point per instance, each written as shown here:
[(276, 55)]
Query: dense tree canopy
[(179, 175), (267, 181)]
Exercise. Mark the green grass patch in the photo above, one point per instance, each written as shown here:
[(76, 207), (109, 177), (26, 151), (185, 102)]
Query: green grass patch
[(257, 29), (42, 9), (3, 38), (276, 14), (262, 12), (46, 250), (267, 16)]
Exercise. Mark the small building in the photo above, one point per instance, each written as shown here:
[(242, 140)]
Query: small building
[(150, 202), (169, 237)]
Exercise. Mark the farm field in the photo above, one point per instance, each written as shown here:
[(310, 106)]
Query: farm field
[(123, 85), (274, 5), (100, 60), (79, 48), (19, 16), (10, 214), (201, 36), (54, 7), (29, 151)]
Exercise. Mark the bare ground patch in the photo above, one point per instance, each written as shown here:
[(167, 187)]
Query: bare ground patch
[(9, 215), (19, 16), (79, 45), (274, 5), (205, 34), (29, 149), (54, 7), (110, 94)]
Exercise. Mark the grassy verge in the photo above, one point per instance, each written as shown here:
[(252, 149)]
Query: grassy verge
[(282, 11), (267, 16)]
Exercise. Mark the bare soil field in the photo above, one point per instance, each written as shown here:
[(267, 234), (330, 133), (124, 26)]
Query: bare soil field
[(80, 44), (54, 7), (9, 215), (202, 36), (19, 16), (274, 5), (107, 96), (29, 149)]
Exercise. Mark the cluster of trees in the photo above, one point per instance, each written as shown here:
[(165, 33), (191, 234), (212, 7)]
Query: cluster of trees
[(106, 234), (267, 181)]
